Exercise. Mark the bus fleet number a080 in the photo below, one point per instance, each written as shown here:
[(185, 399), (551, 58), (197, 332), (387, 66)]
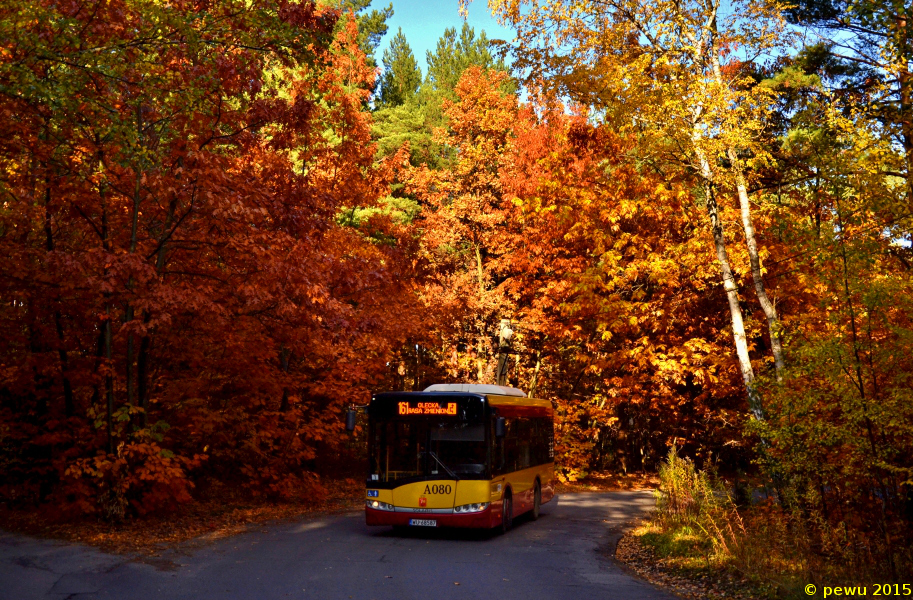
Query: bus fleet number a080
[(438, 489)]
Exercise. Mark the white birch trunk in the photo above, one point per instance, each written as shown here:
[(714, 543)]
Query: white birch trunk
[(732, 290)]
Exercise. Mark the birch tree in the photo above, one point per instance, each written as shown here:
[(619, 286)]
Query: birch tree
[(674, 73)]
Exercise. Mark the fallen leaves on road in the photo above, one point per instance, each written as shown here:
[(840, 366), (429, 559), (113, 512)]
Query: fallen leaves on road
[(609, 482), (206, 520)]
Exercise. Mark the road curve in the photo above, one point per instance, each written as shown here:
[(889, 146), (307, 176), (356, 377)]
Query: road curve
[(559, 556)]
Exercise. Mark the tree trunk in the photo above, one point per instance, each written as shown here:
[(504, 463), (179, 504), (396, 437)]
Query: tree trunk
[(109, 383), (770, 311), (142, 373), (906, 99), (99, 353), (417, 384), (109, 375), (285, 357), (481, 274), (134, 225), (860, 386), (39, 393), (145, 345), (735, 309), (732, 291), (535, 379), (68, 407), (480, 362)]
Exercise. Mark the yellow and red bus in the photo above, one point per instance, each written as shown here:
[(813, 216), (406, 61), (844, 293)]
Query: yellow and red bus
[(458, 455)]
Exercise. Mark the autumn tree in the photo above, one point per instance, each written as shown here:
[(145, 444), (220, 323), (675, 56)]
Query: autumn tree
[(835, 429), (455, 52), (371, 24), (616, 314), (183, 306), (399, 119), (465, 210), (873, 42), (667, 72), (415, 121)]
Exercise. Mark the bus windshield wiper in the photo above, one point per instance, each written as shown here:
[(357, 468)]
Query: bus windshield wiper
[(446, 468)]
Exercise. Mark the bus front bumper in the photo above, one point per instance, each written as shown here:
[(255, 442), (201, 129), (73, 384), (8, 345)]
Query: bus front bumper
[(481, 519)]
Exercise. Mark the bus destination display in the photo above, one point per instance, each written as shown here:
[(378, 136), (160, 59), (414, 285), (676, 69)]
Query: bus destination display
[(427, 408)]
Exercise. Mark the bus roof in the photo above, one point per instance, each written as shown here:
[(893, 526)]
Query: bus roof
[(476, 388), (506, 402)]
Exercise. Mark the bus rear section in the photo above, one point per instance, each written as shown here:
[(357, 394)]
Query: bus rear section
[(444, 458)]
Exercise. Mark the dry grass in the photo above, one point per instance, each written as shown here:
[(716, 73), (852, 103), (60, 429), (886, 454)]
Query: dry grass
[(699, 534), (681, 562), (765, 556)]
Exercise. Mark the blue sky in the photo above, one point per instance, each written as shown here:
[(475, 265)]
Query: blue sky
[(423, 22)]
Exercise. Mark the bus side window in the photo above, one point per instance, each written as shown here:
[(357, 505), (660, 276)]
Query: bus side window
[(524, 438), (497, 453), (535, 435), (543, 431), (506, 449)]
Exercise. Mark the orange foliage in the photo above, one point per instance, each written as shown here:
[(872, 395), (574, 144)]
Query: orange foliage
[(185, 196), (465, 220), (543, 219)]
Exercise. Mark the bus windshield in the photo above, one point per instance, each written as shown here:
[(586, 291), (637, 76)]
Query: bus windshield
[(420, 449)]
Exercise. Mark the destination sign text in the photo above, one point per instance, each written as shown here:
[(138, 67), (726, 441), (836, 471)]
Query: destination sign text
[(427, 408)]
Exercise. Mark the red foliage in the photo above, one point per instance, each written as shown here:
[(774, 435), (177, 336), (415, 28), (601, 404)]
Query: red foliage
[(180, 299)]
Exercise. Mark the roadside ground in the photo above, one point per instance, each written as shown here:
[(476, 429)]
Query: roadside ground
[(678, 566), (220, 515), (212, 517), (610, 482)]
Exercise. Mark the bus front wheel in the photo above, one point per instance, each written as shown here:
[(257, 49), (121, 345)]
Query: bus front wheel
[(507, 512)]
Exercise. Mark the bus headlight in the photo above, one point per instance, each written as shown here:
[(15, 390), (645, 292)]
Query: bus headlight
[(378, 505), (471, 508)]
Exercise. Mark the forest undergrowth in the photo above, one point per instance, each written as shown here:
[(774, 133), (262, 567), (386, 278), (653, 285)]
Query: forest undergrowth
[(756, 547)]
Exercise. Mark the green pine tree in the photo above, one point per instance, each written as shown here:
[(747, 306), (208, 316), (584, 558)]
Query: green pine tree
[(406, 112), (402, 76), (446, 64), (454, 55), (396, 125)]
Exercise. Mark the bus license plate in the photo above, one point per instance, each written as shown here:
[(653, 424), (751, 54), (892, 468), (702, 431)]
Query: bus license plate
[(423, 522)]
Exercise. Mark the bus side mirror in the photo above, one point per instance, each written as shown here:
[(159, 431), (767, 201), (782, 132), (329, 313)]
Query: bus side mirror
[(500, 427), (350, 419)]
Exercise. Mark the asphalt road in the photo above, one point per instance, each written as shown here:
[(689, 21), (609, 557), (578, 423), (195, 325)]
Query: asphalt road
[(562, 555)]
